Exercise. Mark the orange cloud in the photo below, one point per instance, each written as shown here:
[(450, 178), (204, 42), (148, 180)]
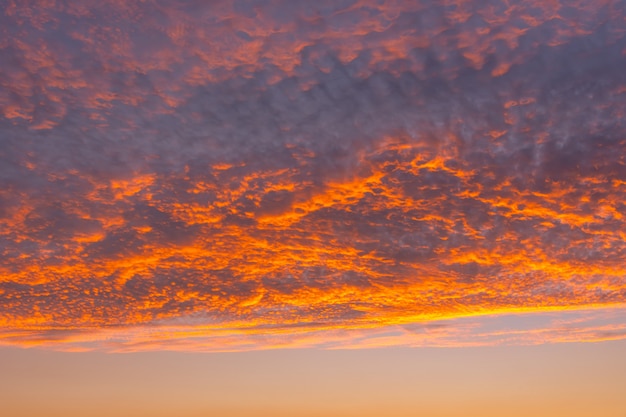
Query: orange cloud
[(251, 176)]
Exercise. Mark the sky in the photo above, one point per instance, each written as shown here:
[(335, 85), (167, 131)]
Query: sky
[(517, 381), (370, 184)]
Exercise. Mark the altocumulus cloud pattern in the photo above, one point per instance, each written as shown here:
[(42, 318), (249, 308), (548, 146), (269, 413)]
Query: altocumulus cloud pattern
[(231, 175)]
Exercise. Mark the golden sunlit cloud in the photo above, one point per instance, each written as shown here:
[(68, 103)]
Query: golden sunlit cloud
[(250, 174)]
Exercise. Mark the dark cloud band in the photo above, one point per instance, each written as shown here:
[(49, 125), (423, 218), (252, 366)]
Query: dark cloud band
[(344, 165)]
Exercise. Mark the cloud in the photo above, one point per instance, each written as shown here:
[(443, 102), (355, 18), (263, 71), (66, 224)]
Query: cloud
[(261, 165)]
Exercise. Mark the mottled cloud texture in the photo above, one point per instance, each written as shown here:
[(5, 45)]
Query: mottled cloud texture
[(245, 174)]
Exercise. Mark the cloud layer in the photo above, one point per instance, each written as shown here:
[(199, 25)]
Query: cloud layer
[(265, 166)]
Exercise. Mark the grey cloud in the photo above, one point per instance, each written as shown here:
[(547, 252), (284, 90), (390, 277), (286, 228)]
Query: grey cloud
[(553, 118)]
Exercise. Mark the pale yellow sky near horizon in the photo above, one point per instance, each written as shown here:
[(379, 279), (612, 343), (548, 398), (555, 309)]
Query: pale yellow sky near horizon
[(570, 379)]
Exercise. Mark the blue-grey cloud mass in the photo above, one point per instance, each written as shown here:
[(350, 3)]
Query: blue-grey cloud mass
[(260, 166)]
